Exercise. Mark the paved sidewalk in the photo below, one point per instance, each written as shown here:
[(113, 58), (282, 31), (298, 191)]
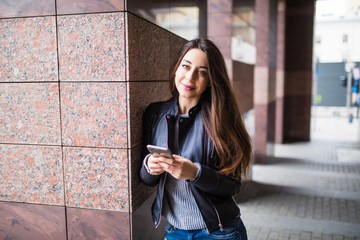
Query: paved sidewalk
[(307, 191)]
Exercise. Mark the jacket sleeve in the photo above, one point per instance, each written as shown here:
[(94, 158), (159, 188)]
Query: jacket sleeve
[(146, 177), (212, 182)]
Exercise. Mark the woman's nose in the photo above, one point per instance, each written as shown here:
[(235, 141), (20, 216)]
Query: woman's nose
[(191, 75)]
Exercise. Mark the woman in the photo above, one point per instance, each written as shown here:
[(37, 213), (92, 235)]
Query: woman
[(202, 126)]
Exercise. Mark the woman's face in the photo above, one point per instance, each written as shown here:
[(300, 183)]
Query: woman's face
[(192, 77)]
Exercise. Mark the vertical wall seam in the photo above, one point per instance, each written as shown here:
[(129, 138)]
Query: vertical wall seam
[(61, 132), (126, 52)]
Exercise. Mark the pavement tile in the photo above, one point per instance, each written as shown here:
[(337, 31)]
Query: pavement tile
[(307, 191)]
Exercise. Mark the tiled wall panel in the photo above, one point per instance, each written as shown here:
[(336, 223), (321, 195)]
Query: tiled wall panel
[(97, 224), (141, 95), (88, 6), (96, 178), (149, 50), (29, 113), (32, 222), (94, 114), (176, 44), (32, 174), (28, 49), (139, 191), (92, 47), (24, 8)]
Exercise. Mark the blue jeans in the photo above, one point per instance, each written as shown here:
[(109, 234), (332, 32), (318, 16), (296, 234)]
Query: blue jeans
[(235, 231)]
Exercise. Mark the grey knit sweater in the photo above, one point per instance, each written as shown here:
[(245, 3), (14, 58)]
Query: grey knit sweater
[(180, 207)]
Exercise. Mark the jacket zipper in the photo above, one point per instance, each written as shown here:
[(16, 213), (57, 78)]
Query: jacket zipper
[(218, 216)]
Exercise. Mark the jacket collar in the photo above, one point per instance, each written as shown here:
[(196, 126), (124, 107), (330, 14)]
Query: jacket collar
[(175, 107)]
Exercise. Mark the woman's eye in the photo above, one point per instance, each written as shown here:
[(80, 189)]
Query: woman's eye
[(203, 73), (185, 66)]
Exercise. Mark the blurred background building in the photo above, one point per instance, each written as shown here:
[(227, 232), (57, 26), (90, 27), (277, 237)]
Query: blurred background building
[(336, 47)]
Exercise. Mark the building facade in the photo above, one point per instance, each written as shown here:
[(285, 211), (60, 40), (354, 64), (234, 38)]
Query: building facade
[(336, 43)]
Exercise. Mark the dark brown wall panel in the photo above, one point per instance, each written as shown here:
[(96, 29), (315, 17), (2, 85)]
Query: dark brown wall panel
[(97, 224), (31, 222), (297, 116)]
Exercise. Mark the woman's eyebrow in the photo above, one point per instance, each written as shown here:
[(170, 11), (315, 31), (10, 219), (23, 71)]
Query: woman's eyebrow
[(191, 63)]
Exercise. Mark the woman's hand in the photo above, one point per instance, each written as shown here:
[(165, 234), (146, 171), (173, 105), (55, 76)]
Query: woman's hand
[(179, 167), (154, 166)]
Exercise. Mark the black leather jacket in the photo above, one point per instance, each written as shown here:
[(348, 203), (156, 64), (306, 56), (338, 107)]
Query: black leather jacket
[(212, 191)]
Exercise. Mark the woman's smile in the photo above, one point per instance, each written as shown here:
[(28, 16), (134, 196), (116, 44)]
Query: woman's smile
[(188, 87)]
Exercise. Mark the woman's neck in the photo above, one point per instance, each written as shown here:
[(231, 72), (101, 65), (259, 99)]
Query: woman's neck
[(184, 105)]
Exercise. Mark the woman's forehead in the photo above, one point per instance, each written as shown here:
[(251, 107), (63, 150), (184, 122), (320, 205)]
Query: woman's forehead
[(196, 56)]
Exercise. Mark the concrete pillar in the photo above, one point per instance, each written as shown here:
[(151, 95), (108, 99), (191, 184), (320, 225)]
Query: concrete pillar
[(280, 72), (220, 28), (298, 70), (264, 78)]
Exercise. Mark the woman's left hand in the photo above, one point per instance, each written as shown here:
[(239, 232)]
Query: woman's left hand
[(179, 167)]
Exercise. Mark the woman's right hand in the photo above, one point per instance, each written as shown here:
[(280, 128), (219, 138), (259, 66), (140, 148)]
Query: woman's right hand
[(154, 166)]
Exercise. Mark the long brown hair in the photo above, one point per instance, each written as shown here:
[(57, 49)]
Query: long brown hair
[(220, 111)]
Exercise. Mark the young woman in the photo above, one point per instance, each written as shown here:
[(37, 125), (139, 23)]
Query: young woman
[(202, 126)]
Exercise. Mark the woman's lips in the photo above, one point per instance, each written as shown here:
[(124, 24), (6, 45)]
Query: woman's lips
[(188, 87)]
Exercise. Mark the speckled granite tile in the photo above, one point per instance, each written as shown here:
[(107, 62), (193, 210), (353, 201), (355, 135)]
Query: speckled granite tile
[(96, 178), (29, 113), (94, 114), (148, 50), (97, 224), (176, 43), (23, 8), (141, 95), (22, 221), (88, 6), (92, 47), (139, 192), (28, 49), (31, 174)]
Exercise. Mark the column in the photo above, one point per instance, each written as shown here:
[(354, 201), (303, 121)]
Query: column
[(280, 72), (264, 78), (298, 70), (220, 28)]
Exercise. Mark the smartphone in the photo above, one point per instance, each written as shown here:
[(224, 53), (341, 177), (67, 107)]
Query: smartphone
[(157, 150)]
